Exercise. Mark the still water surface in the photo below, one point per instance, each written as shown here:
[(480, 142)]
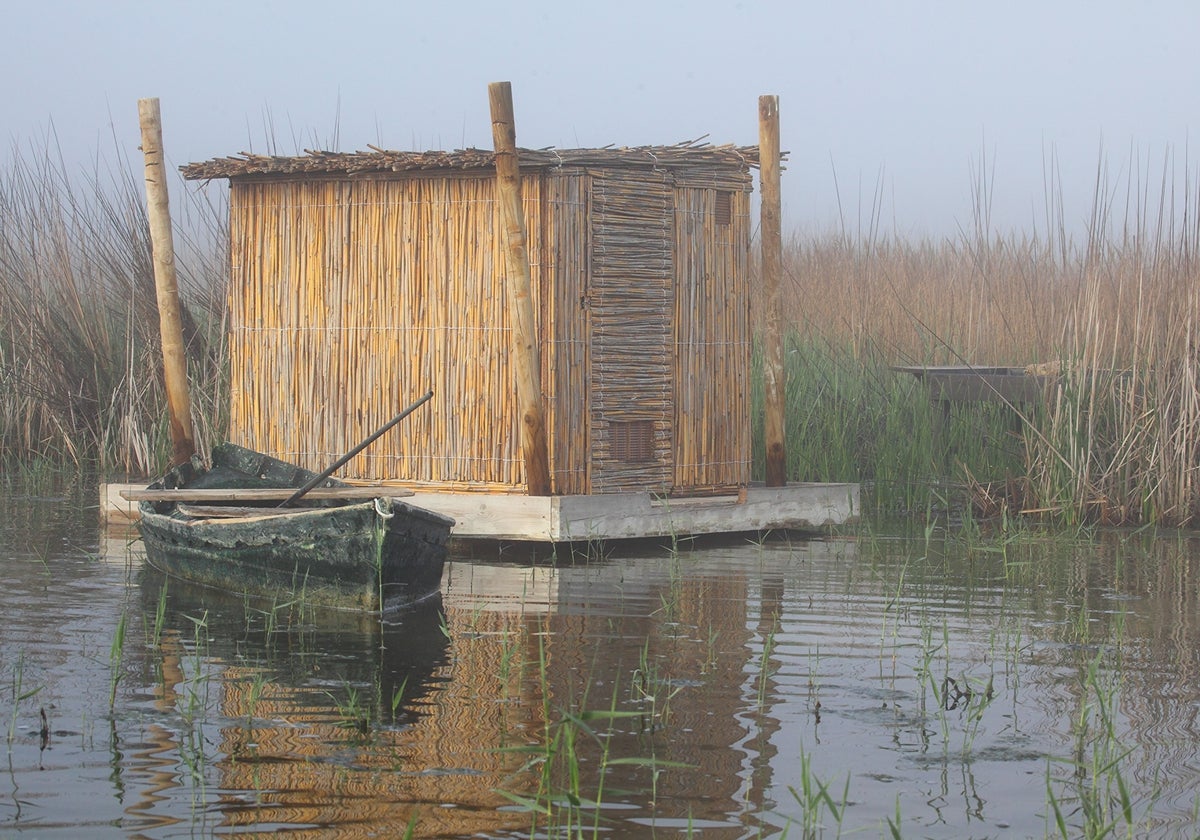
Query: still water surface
[(950, 687)]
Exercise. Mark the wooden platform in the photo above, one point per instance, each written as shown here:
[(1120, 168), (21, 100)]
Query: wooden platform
[(805, 507), (957, 385)]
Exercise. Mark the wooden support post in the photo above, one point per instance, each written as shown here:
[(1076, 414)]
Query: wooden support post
[(179, 408), (525, 355), (774, 375)]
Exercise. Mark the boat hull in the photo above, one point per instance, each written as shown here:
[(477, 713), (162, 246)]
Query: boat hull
[(380, 554)]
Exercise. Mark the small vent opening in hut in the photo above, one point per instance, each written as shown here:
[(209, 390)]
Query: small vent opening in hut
[(633, 441), (724, 208)]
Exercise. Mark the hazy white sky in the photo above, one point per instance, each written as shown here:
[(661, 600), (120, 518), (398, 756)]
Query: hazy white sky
[(911, 99)]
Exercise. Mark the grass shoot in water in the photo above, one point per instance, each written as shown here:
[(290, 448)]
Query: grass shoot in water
[(115, 654)]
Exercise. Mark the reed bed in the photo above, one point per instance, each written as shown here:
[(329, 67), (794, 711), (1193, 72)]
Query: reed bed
[(1110, 315), (80, 367)]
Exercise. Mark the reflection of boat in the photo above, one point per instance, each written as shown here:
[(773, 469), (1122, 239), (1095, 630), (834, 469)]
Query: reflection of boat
[(302, 653), (336, 545)]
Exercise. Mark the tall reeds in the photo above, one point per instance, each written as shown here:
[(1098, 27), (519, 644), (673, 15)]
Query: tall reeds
[(80, 368), (1109, 314)]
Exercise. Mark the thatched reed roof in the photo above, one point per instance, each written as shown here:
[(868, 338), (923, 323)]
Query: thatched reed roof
[(693, 153)]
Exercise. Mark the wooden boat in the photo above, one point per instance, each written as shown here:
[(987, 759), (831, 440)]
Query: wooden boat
[(338, 545)]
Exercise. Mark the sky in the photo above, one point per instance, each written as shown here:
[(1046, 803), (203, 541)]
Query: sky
[(914, 114)]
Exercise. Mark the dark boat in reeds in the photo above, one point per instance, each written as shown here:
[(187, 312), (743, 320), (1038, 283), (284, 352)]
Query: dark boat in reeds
[(332, 544)]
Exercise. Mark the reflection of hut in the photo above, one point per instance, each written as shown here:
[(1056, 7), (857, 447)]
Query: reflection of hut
[(681, 652), (360, 280)]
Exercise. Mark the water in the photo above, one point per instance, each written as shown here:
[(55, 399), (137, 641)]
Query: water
[(950, 688)]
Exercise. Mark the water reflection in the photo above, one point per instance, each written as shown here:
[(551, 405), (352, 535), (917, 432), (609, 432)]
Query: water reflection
[(282, 708), (955, 687)]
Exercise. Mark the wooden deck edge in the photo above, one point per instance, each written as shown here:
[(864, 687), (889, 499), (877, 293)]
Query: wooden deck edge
[(115, 509), (638, 515), (609, 516), (630, 516)]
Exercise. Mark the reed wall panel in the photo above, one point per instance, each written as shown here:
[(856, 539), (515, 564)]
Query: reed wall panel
[(712, 337), (565, 323), (350, 298), (352, 295)]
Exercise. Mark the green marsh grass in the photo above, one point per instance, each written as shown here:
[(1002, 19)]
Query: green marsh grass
[(816, 800), (1110, 316), (854, 419), (570, 756), (19, 694), (1093, 799), (115, 657), (196, 683), (397, 698), (160, 619), (354, 715), (1108, 313)]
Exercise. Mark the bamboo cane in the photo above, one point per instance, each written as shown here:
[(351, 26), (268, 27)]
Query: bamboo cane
[(774, 376), (183, 443), (526, 357)]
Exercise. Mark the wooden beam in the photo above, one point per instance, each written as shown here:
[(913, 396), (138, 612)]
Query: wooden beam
[(183, 443), (774, 375), (262, 494), (526, 357)]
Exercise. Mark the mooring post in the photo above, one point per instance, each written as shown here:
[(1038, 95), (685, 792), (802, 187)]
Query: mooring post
[(183, 443), (774, 375), (525, 355)]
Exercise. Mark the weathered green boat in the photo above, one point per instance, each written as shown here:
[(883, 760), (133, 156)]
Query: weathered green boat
[(337, 545)]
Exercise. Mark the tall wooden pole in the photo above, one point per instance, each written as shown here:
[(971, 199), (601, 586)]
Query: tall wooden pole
[(774, 376), (183, 443), (525, 356)]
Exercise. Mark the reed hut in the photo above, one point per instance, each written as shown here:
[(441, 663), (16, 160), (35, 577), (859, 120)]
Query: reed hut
[(361, 280)]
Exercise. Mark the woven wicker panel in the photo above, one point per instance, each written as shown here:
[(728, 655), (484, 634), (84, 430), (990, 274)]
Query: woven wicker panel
[(631, 302)]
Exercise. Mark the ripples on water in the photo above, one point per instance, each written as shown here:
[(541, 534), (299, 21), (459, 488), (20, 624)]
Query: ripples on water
[(943, 686)]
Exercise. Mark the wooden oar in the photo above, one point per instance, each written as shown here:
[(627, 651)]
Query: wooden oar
[(375, 435)]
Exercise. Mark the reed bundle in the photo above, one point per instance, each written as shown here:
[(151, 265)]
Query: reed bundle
[(678, 157), (629, 302)]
